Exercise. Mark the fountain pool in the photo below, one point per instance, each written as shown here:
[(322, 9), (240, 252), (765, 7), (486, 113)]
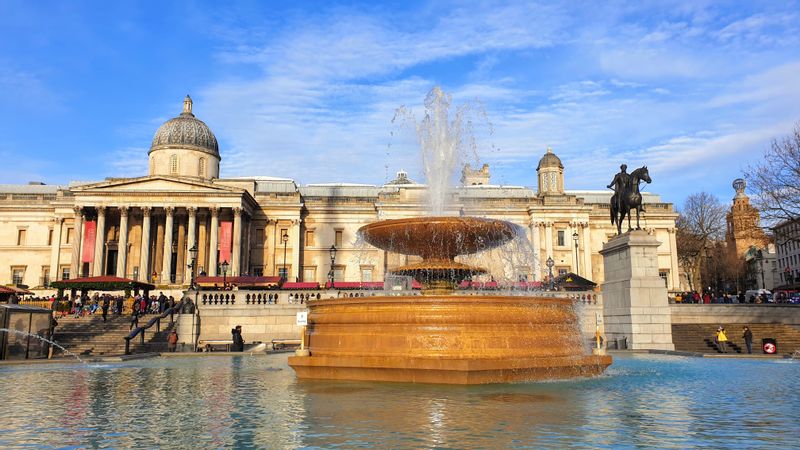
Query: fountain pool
[(256, 401)]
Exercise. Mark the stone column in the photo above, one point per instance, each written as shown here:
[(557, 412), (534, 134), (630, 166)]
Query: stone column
[(587, 251), (294, 241), (192, 232), (246, 245), (236, 252), (166, 263), (674, 272), (635, 303), (213, 242), (536, 242), (144, 260), (122, 245), (99, 242), (75, 264), (55, 248), (548, 236)]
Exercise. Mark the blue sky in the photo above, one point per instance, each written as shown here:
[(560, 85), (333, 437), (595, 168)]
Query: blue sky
[(695, 90)]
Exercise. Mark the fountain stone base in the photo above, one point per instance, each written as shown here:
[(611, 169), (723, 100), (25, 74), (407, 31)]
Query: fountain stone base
[(448, 339)]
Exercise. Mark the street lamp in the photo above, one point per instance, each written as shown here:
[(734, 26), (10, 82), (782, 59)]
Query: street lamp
[(285, 239), (192, 265), (332, 252), (224, 266), (550, 263), (577, 263), (760, 260)]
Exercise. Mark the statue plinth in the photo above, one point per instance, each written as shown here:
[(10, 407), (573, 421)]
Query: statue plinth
[(635, 303)]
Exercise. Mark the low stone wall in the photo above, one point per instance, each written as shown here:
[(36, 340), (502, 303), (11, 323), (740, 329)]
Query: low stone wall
[(735, 313)]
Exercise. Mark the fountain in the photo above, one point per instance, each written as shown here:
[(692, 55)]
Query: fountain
[(441, 336)]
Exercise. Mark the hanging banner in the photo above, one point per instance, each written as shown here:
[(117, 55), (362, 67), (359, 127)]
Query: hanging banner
[(225, 234), (89, 237)]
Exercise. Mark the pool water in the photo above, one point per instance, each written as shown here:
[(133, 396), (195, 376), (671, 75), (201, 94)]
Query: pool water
[(256, 402)]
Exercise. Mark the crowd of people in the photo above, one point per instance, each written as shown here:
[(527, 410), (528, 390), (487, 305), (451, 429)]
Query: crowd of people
[(724, 297), (85, 305)]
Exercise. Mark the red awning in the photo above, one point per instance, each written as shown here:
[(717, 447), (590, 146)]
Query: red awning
[(102, 283), (241, 281), (300, 285)]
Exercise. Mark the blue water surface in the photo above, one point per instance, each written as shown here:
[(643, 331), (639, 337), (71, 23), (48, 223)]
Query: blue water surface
[(256, 402)]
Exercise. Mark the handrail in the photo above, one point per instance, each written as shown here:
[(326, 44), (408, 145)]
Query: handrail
[(154, 321)]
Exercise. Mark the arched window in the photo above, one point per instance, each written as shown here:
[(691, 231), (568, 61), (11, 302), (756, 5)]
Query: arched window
[(173, 164), (201, 169)]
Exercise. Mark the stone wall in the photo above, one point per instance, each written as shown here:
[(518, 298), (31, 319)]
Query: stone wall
[(739, 313)]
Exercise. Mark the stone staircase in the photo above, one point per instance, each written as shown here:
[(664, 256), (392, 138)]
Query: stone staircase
[(699, 338), (92, 336)]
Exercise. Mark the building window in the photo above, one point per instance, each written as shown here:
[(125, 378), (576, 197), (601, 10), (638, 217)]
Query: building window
[(65, 272), (309, 238), (337, 239), (17, 275), (259, 237), (173, 164), (70, 235), (283, 271), (366, 274), (561, 238), (338, 273), (201, 170), (21, 234), (258, 271), (562, 272), (664, 274), (45, 281), (309, 273)]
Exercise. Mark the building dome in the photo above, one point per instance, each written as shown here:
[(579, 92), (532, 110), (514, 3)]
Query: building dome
[(550, 160), (185, 132)]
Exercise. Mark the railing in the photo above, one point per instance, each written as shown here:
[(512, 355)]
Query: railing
[(154, 321)]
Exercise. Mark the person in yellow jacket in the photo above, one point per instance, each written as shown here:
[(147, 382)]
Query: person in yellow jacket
[(722, 340)]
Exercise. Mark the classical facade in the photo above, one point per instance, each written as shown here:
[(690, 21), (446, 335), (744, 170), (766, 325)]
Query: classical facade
[(142, 228)]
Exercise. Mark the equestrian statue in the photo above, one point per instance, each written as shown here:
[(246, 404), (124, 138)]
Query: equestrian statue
[(627, 196)]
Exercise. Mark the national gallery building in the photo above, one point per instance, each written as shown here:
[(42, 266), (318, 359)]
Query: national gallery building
[(142, 228)]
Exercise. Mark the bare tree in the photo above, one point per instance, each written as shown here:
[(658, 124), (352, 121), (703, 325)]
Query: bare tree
[(701, 224), (775, 179)]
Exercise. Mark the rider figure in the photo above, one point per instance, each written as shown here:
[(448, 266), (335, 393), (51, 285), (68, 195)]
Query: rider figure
[(621, 184)]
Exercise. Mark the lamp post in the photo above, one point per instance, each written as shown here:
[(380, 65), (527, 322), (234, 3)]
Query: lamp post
[(224, 266), (550, 263), (332, 252), (192, 285), (192, 265), (577, 263), (285, 239), (760, 260)]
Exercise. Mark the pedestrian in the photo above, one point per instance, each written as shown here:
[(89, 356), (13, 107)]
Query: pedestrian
[(172, 341), (722, 340), (134, 318), (120, 305), (106, 304), (748, 339), (78, 306), (238, 341)]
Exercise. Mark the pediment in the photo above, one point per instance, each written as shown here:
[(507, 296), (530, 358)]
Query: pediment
[(155, 184)]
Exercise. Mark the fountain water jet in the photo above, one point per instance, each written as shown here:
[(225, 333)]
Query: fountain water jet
[(441, 337)]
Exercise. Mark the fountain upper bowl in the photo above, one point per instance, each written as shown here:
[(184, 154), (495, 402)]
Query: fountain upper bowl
[(438, 237)]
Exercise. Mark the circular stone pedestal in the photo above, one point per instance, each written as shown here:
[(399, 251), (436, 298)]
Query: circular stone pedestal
[(448, 339)]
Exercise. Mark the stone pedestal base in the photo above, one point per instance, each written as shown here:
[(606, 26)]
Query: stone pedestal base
[(635, 303)]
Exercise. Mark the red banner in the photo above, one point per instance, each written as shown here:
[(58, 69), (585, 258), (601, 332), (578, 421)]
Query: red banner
[(225, 234), (89, 237)]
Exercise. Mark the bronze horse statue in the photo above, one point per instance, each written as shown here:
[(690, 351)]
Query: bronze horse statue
[(630, 200)]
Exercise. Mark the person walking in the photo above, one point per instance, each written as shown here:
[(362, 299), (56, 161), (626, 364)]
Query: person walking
[(238, 341), (722, 340), (172, 341), (106, 304), (748, 339)]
